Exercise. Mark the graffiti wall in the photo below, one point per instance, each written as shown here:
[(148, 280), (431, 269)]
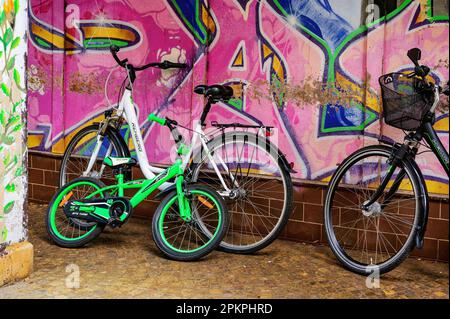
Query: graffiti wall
[(13, 46), (281, 56)]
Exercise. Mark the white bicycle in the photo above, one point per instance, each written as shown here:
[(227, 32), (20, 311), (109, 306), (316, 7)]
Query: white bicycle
[(242, 165)]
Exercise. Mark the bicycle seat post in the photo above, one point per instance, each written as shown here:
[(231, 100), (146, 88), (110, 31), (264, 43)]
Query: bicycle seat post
[(206, 110)]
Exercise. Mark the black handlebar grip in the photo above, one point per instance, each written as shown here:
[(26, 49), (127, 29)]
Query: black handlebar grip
[(180, 65), (171, 65)]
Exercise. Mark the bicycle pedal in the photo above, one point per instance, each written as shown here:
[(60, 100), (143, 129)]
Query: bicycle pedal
[(114, 223)]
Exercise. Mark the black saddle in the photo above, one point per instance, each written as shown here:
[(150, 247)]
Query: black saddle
[(217, 92)]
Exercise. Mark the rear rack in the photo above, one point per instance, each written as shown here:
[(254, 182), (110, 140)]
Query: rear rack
[(234, 125)]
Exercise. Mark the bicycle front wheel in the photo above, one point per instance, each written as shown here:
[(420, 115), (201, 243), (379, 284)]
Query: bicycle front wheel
[(378, 237), (190, 240), (259, 195)]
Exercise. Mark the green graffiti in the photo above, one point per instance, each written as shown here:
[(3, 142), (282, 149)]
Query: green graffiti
[(8, 207), (332, 56), (236, 103), (4, 234), (10, 188)]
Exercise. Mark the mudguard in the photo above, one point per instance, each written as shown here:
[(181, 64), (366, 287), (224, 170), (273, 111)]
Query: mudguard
[(123, 144), (424, 203)]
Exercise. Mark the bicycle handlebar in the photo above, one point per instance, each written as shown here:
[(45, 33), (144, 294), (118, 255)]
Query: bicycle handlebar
[(161, 65)]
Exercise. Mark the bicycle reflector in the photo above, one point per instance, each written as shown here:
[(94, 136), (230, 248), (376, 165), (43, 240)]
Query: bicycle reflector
[(205, 202)]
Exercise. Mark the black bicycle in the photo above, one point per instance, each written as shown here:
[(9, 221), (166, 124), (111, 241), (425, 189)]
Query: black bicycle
[(376, 207)]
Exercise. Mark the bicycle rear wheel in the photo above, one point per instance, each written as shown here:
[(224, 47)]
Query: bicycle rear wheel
[(260, 202), (64, 231), (380, 237)]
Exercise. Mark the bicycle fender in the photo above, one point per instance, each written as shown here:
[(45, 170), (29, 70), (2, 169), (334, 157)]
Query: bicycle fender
[(169, 189), (424, 203), (283, 161), (121, 141)]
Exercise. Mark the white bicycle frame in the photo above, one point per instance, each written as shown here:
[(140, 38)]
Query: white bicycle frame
[(126, 108)]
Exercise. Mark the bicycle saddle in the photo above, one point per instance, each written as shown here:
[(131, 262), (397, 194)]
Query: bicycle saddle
[(218, 92)]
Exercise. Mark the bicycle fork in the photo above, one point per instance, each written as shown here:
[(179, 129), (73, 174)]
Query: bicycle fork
[(183, 202), (98, 145), (398, 155)]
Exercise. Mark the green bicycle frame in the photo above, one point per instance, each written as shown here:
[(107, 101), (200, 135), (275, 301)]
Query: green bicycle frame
[(148, 186)]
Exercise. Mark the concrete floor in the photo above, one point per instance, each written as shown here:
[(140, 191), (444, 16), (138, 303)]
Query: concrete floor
[(125, 263)]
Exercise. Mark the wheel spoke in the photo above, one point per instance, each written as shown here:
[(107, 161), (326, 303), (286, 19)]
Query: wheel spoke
[(261, 208)]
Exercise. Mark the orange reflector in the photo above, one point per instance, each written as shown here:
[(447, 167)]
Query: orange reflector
[(205, 202), (65, 199)]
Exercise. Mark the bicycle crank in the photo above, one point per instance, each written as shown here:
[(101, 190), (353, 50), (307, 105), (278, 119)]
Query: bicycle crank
[(111, 211)]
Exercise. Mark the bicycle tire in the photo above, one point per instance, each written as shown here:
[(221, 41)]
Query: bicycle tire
[(343, 257), (158, 229), (52, 229)]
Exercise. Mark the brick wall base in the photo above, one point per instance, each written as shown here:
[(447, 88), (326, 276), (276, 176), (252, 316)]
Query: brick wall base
[(305, 225)]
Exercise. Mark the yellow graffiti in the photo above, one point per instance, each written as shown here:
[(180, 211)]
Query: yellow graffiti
[(93, 32), (95, 36), (208, 20), (442, 125)]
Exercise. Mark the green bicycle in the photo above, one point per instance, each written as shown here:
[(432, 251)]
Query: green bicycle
[(189, 223)]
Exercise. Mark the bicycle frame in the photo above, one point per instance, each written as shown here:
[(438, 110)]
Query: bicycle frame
[(436, 145), (148, 186)]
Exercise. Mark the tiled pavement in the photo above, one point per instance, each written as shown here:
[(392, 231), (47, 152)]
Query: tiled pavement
[(125, 263)]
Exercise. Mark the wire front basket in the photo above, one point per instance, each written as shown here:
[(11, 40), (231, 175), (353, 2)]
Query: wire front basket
[(405, 102)]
